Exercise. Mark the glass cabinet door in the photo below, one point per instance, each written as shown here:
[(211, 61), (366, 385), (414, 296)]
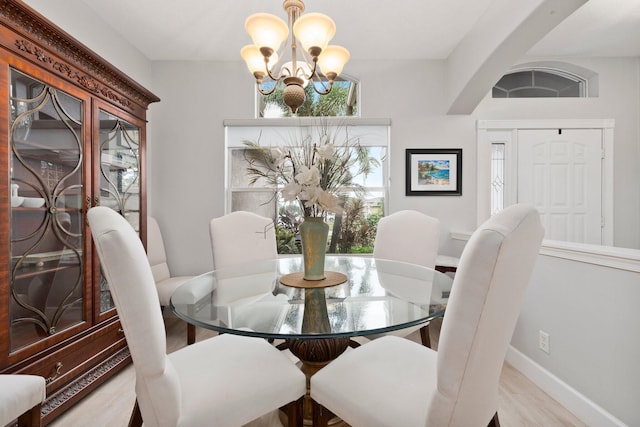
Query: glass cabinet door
[(46, 173), (119, 177), (120, 167)]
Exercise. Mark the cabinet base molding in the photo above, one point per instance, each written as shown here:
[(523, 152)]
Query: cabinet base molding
[(76, 390)]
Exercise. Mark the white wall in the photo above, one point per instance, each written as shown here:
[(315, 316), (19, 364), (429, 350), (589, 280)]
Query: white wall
[(591, 315), (81, 23), (187, 139)]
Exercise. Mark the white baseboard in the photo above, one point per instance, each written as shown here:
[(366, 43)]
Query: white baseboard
[(586, 410)]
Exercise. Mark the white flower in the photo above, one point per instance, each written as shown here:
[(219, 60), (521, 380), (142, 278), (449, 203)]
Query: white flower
[(329, 202), (309, 195), (310, 170), (279, 155), (291, 191), (326, 151), (308, 176)]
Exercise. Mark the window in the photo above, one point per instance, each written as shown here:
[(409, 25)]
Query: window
[(547, 79), (538, 84), (351, 232), (497, 176), (342, 101)]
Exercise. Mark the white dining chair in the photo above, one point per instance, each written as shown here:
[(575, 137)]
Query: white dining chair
[(413, 237), (21, 398), (392, 381), (242, 237), (165, 283), (221, 381)]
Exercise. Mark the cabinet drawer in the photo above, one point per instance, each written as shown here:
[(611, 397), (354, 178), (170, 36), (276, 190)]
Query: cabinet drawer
[(71, 361)]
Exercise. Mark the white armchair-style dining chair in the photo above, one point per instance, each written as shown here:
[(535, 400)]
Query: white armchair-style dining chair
[(413, 237), (165, 283), (242, 237), (21, 398), (221, 381), (396, 382)]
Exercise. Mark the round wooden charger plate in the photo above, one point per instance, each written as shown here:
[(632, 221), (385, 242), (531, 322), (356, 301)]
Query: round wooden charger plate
[(296, 280)]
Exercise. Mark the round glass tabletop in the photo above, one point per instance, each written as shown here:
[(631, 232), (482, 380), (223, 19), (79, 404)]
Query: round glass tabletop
[(379, 296)]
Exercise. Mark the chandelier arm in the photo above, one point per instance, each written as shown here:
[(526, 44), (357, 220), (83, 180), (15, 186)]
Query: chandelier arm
[(266, 92), (318, 77), (280, 54), (308, 59), (326, 89), (275, 78)]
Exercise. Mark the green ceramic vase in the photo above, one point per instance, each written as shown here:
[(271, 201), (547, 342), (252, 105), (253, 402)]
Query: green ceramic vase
[(313, 233)]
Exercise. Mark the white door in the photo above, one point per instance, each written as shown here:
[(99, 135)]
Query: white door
[(559, 172)]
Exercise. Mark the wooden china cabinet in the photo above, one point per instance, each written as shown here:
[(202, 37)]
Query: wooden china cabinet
[(73, 136)]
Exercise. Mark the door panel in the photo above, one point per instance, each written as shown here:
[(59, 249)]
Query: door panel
[(559, 172)]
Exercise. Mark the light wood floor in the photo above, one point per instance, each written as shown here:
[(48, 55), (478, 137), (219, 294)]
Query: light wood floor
[(522, 404)]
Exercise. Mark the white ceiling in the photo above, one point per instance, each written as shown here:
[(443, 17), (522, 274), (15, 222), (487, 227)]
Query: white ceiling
[(370, 29)]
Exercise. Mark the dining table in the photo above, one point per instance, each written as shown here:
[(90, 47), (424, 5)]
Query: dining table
[(361, 296)]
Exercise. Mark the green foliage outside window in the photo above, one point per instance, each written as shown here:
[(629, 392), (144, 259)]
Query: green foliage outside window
[(333, 104), (353, 231)]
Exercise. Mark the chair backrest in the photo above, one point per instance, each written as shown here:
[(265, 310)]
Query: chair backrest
[(242, 237), (126, 269), (408, 236), (486, 295), (155, 251)]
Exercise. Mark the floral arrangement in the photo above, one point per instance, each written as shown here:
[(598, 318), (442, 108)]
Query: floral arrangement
[(313, 169)]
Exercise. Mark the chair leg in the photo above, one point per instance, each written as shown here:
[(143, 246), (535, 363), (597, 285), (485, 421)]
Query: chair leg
[(191, 333), (320, 414), (31, 418), (495, 422), (136, 416), (295, 413), (424, 336)]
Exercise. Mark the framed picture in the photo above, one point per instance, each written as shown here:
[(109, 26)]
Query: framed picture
[(434, 172)]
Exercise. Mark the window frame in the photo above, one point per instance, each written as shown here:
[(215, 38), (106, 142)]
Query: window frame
[(372, 133)]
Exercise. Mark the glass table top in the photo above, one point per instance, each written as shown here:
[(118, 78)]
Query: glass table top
[(379, 296)]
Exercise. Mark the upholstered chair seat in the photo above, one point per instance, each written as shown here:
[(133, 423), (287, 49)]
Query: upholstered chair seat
[(21, 397)]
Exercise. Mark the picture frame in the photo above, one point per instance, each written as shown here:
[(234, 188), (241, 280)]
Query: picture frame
[(433, 172)]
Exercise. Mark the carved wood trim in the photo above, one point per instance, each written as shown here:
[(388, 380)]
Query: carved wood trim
[(82, 79)]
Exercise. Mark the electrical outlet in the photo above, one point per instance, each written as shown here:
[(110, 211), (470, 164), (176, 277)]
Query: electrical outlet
[(543, 341)]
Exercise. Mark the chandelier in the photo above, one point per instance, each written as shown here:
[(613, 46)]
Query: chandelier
[(318, 63)]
